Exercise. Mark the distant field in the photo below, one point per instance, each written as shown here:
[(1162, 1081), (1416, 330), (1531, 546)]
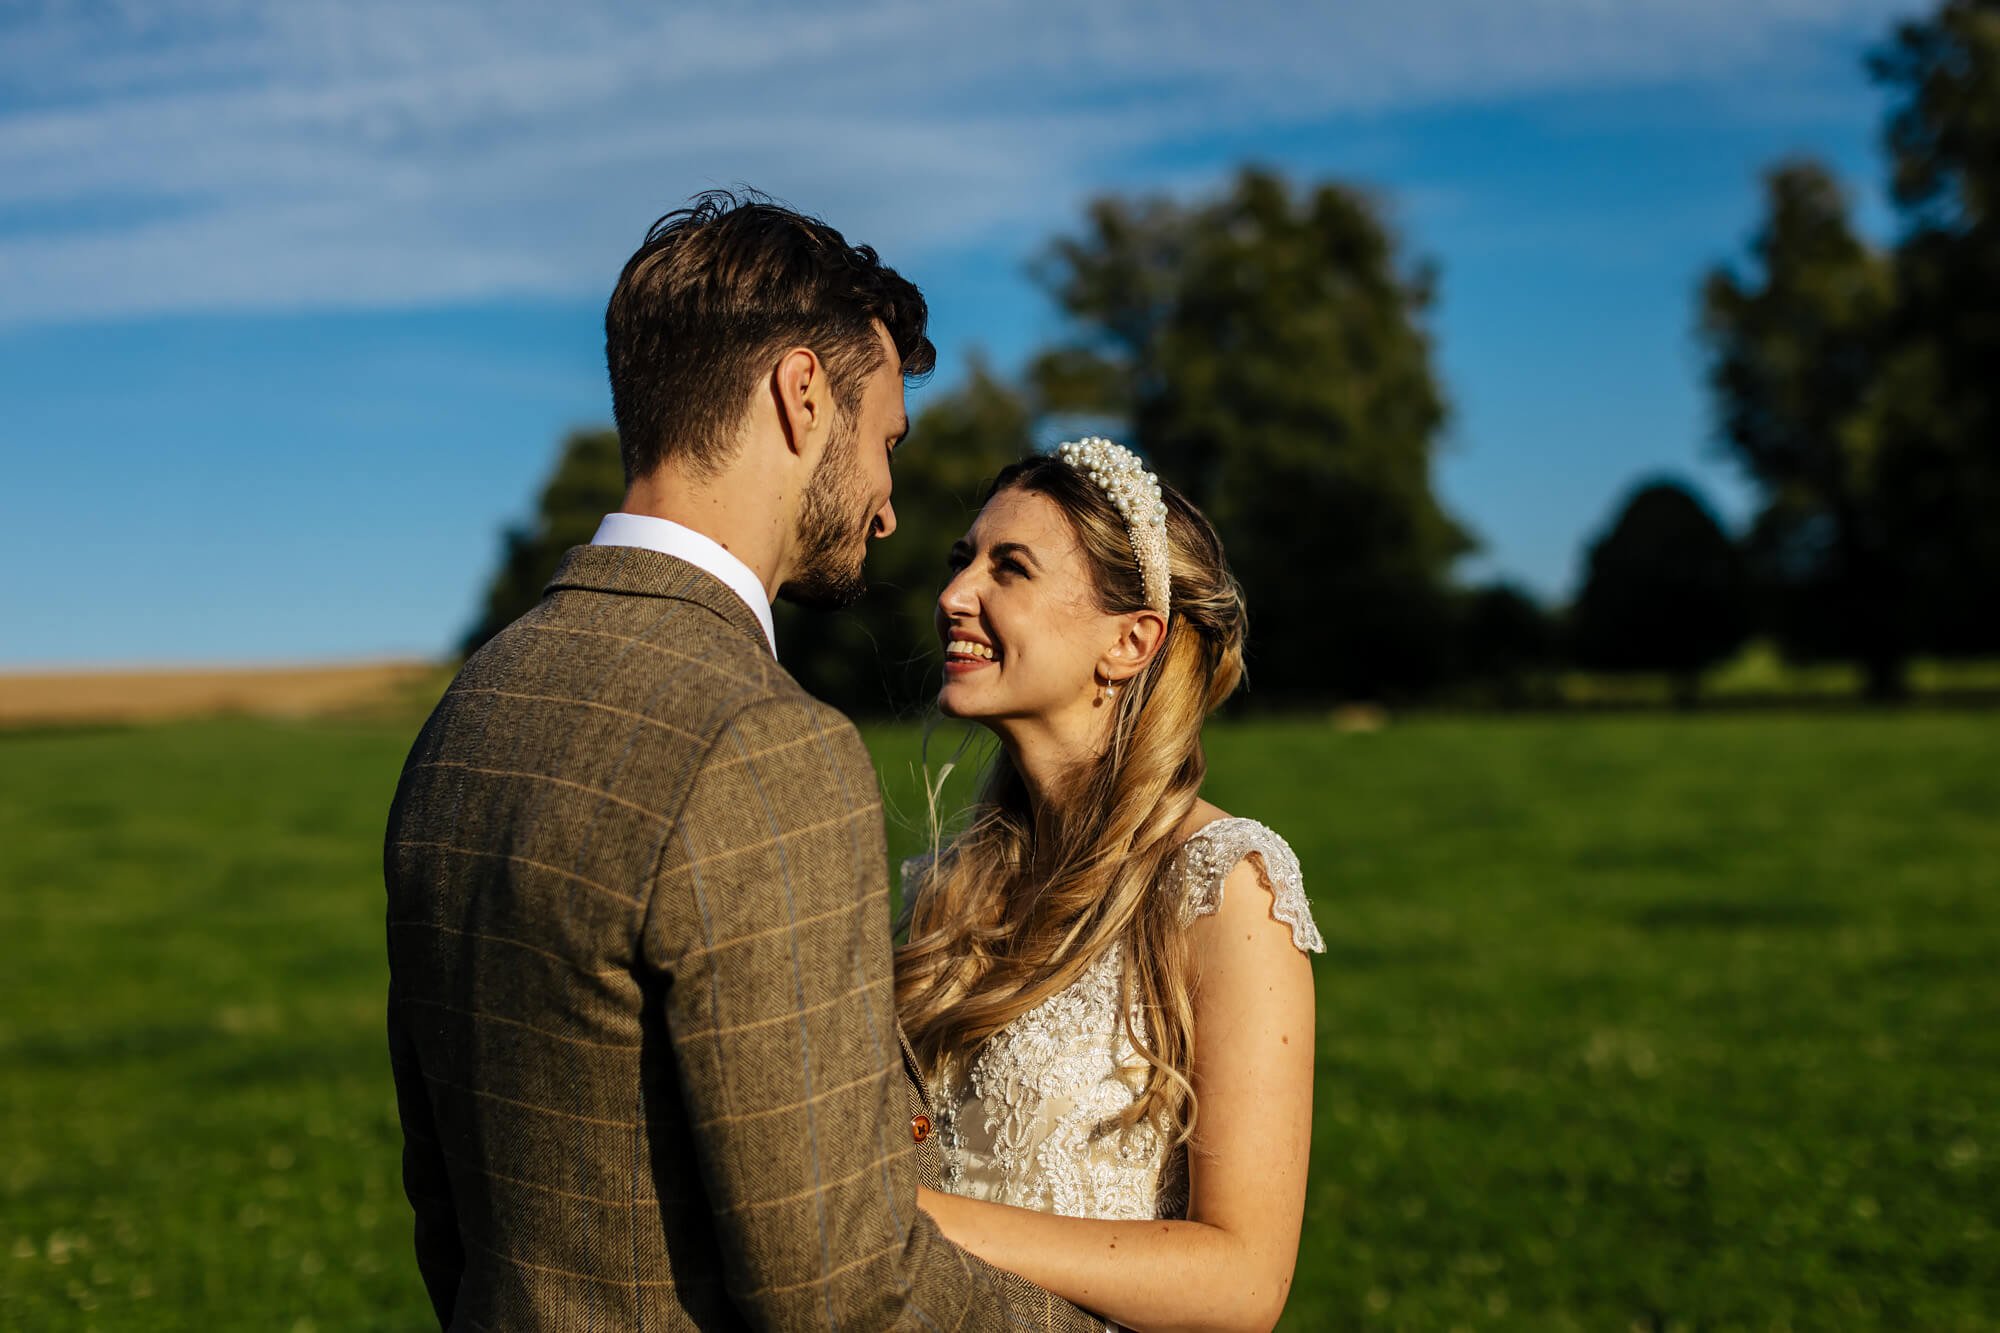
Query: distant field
[(1626, 1022), (1756, 675), (143, 695)]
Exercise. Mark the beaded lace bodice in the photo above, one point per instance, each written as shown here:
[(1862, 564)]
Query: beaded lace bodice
[(1030, 1118)]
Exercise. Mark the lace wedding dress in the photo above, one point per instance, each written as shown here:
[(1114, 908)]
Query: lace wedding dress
[(1022, 1120)]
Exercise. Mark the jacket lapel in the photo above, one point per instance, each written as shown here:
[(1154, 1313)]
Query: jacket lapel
[(912, 1068)]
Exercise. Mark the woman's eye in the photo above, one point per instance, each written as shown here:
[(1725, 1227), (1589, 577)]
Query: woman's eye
[(1013, 567)]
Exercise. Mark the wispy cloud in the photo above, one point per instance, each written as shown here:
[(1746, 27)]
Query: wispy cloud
[(237, 155)]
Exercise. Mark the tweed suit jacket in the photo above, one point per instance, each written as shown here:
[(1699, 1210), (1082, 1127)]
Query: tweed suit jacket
[(640, 1009)]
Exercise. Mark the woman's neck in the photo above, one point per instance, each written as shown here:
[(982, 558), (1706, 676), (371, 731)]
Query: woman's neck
[(1048, 753)]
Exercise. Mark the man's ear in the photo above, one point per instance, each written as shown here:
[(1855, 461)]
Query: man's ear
[(804, 405), (1140, 635)]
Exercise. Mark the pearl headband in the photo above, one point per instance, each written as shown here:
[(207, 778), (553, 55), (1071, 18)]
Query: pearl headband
[(1135, 494)]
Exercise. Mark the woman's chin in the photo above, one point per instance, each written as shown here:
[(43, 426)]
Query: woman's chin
[(956, 701)]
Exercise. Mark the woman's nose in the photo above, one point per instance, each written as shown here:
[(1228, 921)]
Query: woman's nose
[(957, 598)]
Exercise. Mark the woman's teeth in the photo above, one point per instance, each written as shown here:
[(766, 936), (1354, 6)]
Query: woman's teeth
[(967, 648)]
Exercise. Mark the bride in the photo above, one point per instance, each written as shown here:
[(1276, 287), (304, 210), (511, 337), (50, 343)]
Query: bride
[(1105, 977)]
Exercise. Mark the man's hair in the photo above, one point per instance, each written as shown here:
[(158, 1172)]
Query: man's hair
[(716, 293)]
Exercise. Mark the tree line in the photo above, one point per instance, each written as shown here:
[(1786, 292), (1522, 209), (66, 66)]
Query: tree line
[(1266, 348)]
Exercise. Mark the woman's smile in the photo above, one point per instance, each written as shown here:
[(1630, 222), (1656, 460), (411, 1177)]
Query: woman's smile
[(963, 654)]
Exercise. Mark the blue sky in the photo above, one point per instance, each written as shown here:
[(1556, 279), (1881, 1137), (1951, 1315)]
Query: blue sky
[(296, 300)]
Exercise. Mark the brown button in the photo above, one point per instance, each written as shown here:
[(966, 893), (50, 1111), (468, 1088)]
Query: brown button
[(920, 1127)]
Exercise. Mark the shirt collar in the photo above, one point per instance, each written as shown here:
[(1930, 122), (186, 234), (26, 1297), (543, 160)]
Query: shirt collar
[(705, 553)]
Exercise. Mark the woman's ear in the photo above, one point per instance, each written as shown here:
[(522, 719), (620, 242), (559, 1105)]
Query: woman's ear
[(1140, 634)]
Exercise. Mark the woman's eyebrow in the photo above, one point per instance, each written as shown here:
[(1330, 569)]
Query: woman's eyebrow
[(1015, 548)]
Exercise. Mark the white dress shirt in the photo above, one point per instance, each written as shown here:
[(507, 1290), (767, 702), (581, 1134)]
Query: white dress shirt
[(705, 553)]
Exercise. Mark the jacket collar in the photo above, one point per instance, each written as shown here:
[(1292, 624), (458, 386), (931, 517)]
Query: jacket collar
[(632, 572)]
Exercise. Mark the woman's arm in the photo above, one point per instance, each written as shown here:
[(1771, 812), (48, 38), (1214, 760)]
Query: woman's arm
[(1229, 1266)]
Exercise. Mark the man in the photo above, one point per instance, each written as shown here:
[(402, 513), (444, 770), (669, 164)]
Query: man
[(640, 1016)]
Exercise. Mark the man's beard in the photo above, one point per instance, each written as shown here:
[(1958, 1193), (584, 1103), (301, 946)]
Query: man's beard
[(833, 535)]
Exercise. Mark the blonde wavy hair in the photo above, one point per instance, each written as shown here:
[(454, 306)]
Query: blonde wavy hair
[(1018, 906)]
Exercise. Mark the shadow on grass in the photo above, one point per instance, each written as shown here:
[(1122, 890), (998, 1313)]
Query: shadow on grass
[(1712, 914), (41, 731)]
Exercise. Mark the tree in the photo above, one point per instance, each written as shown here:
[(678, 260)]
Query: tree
[(588, 482), (1940, 470), (1267, 347), (1268, 350), (1796, 350), (1664, 592), (1857, 387), (1505, 637), (1943, 132)]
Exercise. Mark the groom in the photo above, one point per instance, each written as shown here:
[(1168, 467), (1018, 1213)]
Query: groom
[(640, 1017)]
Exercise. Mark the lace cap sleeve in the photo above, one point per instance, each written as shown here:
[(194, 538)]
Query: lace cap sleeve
[(1213, 852)]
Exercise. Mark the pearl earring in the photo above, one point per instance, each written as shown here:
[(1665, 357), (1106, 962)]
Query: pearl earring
[(1107, 692)]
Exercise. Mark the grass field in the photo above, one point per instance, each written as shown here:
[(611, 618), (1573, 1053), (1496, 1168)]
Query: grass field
[(1626, 1022)]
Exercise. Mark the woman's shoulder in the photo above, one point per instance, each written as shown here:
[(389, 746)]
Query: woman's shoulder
[(1207, 862), (1218, 840)]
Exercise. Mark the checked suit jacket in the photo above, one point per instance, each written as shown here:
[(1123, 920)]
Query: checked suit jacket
[(646, 1056)]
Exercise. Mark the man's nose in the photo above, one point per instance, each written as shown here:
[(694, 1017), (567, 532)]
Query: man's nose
[(885, 519)]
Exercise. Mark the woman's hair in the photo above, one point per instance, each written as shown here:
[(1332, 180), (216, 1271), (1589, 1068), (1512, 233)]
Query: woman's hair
[(1020, 907)]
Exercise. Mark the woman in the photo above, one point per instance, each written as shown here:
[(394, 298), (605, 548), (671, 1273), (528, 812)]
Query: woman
[(1105, 975)]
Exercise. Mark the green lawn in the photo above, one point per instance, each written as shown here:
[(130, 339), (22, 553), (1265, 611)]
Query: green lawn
[(1633, 1022)]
